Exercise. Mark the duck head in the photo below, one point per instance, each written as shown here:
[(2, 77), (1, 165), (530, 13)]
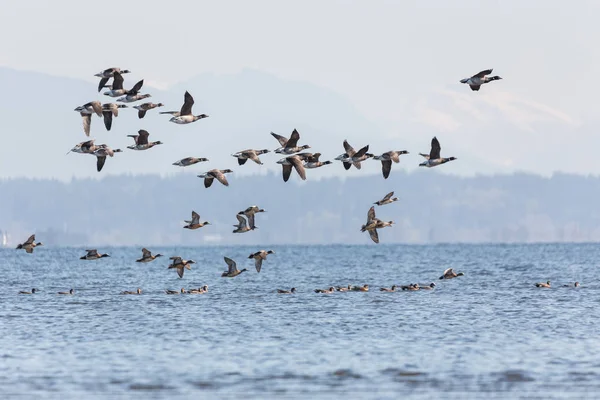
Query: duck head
[(139, 291), (270, 252), (39, 244), (207, 223), (226, 171), (403, 152), (160, 105), (104, 255), (576, 284), (293, 290), (191, 262), (158, 255)]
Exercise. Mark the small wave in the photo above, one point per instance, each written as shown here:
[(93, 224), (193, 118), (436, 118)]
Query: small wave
[(149, 387)]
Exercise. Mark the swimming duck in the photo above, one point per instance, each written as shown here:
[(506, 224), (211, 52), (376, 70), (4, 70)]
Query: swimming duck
[(195, 222), (26, 292), (186, 162), (543, 285), (479, 79), (412, 287), (249, 154), (117, 87), (449, 274), (427, 287), (202, 290), (291, 291), (392, 289), (101, 152), (259, 256), (142, 108), (345, 289), (70, 292), (242, 226), (218, 174), (386, 200), (289, 146), (107, 74), (326, 291), (180, 265), (138, 291), (141, 141), (232, 271), (108, 111), (250, 212), (29, 244), (575, 285), (289, 162), (434, 159), (147, 256), (313, 161), (182, 291), (133, 97), (185, 115), (93, 254), (386, 160), (86, 112), (353, 157), (364, 288)]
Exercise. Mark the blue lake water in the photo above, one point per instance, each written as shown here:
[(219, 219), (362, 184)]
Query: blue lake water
[(489, 333)]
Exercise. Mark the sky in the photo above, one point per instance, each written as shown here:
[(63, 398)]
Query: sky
[(397, 63)]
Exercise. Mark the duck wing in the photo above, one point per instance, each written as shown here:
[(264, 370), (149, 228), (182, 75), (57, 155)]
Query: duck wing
[(293, 140), (241, 221), (146, 253), (180, 271), (208, 181), (434, 154), (281, 139), (349, 149), (258, 264), (483, 73), (374, 235), (195, 217), (297, 163), (251, 221), (142, 137), (287, 171), (388, 196), (102, 83), (117, 83), (100, 162), (141, 114), (371, 214), (176, 260), (347, 165), (108, 115), (448, 271), (230, 264), (361, 152), (386, 168), (220, 176), (136, 88), (188, 102), (475, 88), (87, 120)]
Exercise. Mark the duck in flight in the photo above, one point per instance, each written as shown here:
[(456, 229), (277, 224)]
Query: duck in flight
[(433, 159), (186, 162), (195, 223), (374, 223), (250, 212), (313, 161), (180, 265), (388, 199), (259, 256), (143, 108), (289, 146), (218, 174), (479, 79), (232, 270), (249, 154), (147, 256), (141, 141), (117, 87), (110, 110), (93, 254), (107, 74), (386, 160), (295, 162), (29, 244), (450, 274), (353, 157), (243, 226), (86, 112), (101, 152), (185, 116)]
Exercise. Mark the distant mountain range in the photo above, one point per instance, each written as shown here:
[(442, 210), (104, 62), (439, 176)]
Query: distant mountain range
[(149, 209)]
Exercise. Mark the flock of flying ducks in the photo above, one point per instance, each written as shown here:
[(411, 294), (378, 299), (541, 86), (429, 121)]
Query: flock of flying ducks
[(295, 158)]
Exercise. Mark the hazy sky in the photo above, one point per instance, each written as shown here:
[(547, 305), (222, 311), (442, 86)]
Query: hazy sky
[(397, 62)]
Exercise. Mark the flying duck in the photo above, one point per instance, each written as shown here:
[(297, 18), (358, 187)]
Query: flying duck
[(218, 174), (250, 212), (386, 200), (108, 111), (86, 112), (543, 285), (289, 146), (374, 223), (325, 291), (364, 288), (117, 87), (180, 265), (87, 147), (479, 79), (107, 74), (195, 223), (185, 115), (392, 289), (93, 254), (249, 154), (70, 292), (138, 291), (434, 159), (575, 285), (449, 274), (101, 152), (259, 256), (186, 162), (386, 160), (26, 292), (291, 291), (353, 157), (29, 244), (168, 291), (142, 108), (313, 161), (232, 270), (141, 141), (147, 256), (242, 225), (289, 162)]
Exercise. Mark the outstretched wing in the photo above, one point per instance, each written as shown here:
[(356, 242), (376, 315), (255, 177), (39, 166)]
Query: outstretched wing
[(30, 240), (188, 102), (362, 152), (282, 140), (136, 88), (143, 137), (102, 83), (483, 73), (349, 149), (231, 264), (195, 217), (287, 171), (293, 141), (107, 119), (100, 162), (258, 264), (297, 163), (386, 168), (117, 83), (434, 154), (374, 235), (221, 177), (242, 221), (371, 214), (475, 88), (146, 253), (388, 196)]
